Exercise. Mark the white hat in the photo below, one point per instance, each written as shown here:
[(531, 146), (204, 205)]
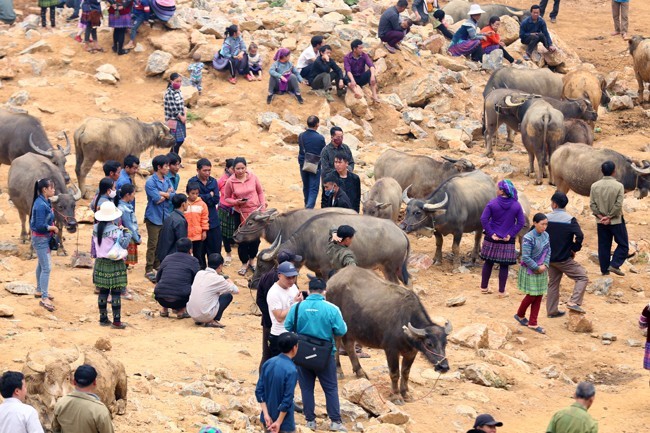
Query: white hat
[(108, 212), (475, 10)]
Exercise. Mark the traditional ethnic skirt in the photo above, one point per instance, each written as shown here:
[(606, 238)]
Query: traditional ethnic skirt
[(109, 274), (500, 252), (532, 284), (229, 221), (490, 48), (180, 132), (132, 253), (119, 21), (48, 3), (646, 357), (163, 9), (464, 48)]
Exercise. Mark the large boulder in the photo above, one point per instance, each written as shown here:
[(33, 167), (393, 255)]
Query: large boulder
[(509, 29), (485, 375), (176, 43), (358, 106), (285, 131), (157, 63), (421, 91), (474, 336), (366, 395)]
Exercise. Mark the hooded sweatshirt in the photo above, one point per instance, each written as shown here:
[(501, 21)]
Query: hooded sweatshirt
[(503, 216)]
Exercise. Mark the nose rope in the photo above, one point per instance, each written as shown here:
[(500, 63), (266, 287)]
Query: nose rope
[(407, 225), (66, 218), (442, 357)]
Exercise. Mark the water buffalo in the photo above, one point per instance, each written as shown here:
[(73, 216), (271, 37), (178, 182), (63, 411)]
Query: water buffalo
[(542, 132), (640, 51), (455, 207), (21, 133), (578, 131), (378, 243), (582, 83), (457, 9), (576, 166), (421, 173), (536, 81), (113, 139), (23, 174), (384, 199), (387, 316)]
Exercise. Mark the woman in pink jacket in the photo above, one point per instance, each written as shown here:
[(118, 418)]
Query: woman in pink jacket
[(243, 191)]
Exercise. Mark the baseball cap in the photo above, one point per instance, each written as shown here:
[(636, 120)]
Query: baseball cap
[(345, 231), (85, 375), (288, 256), (287, 269), (486, 419)]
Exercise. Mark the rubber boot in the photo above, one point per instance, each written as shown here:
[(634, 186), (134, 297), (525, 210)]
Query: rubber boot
[(43, 17), (53, 17)]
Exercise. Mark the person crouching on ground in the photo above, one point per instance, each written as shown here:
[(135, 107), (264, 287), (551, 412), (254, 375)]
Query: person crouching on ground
[(467, 40), (174, 280)]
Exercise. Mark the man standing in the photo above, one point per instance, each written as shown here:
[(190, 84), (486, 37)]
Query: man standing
[(174, 168), (620, 9), (485, 423), (554, 12), (319, 319), (566, 240), (209, 193), (324, 71), (312, 143), (349, 182), (533, 30), (355, 63), (159, 190), (333, 195), (82, 411), (15, 415), (276, 385), (112, 169), (390, 31), (606, 202), (173, 229), (131, 166), (335, 145), (281, 296), (576, 419), (338, 247), (307, 57)]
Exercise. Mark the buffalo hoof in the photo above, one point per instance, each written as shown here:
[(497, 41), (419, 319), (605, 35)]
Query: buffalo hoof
[(537, 182), (396, 399), (361, 374), (408, 398), (61, 253), (339, 373)]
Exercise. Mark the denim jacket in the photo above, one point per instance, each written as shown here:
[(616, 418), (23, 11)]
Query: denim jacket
[(129, 220), (42, 216)]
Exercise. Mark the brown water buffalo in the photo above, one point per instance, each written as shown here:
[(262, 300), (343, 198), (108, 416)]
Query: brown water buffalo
[(23, 174), (576, 166), (455, 207), (640, 51), (542, 131), (113, 139), (384, 199), (421, 173), (457, 9), (387, 316), (21, 133), (578, 131), (582, 83), (536, 81)]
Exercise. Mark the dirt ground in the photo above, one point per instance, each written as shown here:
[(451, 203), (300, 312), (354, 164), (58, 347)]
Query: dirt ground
[(177, 352)]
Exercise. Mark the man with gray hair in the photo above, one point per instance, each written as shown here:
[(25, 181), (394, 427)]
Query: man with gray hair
[(575, 418)]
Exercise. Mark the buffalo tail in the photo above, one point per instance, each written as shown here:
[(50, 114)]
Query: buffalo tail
[(405, 273)]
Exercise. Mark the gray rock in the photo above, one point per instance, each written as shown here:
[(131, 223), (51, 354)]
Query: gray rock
[(634, 343), (20, 288), (157, 63), (451, 77), (493, 61), (624, 102), (36, 64), (38, 47), (456, 302), (394, 100), (608, 336), (601, 286), (107, 68), (210, 406), (350, 412), (19, 98), (195, 388), (413, 115), (417, 131), (483, 374), (103, 77)]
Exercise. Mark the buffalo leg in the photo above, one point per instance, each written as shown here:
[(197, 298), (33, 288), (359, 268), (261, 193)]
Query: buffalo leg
[(407, 362), (23, 232), (392, 357), (339, 369), (438, 256), (354, 360), (477, 245), (511, 135), (61, 251), (83, 171), (541, 168), (455, 249), (391, 276)]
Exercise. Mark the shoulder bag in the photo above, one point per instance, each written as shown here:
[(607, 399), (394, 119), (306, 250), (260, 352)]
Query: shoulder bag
[(313, 353), (311, 162)]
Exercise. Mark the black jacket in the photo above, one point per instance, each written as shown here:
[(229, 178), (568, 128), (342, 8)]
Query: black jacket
[(309, 141), (351, 185), (341, 199), (320, 66), (174, 228), (327, 158), (564, 234), (176, 275)]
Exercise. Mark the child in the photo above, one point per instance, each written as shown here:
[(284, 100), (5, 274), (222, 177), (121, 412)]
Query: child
[(643, 324), (197, 221), (196, 71), (254, 63), (533, 272), (125, 200)]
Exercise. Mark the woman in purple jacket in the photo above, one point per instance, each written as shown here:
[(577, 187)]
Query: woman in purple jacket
[(502, 219)]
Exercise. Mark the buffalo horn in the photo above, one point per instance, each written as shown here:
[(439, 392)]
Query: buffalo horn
[(77, 362), (405, 195), (639, 169), (37, 149), (514, 12), (77, 192), (67, 149), (646, 163), (35, 366), (54, 198), (416, 331), (443, 323), (273, 250), (450, 159), (261, 217), (434, 206)]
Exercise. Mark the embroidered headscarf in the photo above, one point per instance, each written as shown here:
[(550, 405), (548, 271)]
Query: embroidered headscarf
[(282, 52), (508, 188)]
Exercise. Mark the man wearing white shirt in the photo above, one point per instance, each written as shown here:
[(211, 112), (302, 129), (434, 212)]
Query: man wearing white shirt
[(15, 415), (211, 294), (308, 56), (281, 296)]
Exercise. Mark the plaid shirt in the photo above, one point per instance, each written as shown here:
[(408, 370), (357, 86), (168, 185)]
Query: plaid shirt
[(174, 104)]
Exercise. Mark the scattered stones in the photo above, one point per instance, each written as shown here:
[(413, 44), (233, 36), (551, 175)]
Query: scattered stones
[(210, 406), (485, 375), (465, 410), (624, 102), (104, 344), (350, 412), (413, 115), (20, 288), (175, 43), (456, 302), (19, 98), (493, 61), (358, 106), (103, 77), (456, 64), (6, 71), (6, 311), (195, 388), (634, 343), (608, 336), (8, 248), (447, 138), (420, 261), (601, 286), (393, 100), (157, 63), (579, 323), (107, 68), (366, 395), (474, 336), (395, 416), (285, 131), (419, 93), (417, 131)]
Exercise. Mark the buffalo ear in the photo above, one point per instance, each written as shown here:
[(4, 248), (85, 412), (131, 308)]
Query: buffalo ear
[(448, 327), (383, 205)]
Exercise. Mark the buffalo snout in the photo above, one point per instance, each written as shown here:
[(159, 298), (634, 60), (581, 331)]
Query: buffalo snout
[(442, 366), (71, 226)]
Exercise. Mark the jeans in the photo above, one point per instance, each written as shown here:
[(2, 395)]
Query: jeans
[(310, 184), (607, 233), (532, 41), (329, 383), (138, 20), (41, 245), (554, 12)]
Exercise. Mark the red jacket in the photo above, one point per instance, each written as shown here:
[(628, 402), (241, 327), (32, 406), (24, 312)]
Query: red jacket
[(491, 37)]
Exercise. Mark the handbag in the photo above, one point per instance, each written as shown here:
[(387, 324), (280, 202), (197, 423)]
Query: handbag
[(313, 353), (172, 124), (312, 161), (54, 243), (117, 252), (219, 63)]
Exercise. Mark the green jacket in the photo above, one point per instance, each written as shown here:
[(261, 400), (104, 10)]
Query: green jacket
[(606, 198), (80, 412), (573, 419), (340, 256)]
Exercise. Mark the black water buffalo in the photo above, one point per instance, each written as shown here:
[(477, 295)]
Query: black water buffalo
[(378, 243), (21, 133), (23, 174), (542, 132), (457, 9), (421, 173), (383, 200), (387, 316), (576, 167), (114, 139), (536, 81), (454, 208), (578, 131)]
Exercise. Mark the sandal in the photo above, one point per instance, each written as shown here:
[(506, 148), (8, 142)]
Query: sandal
[(486, 291), (242, 270), (537, 329), (214, 324), (184, 315), (522, 320), (227, 260), (252, 267), (504, 295), (164, 314), (40, 295), (49, 307), (127, 295)]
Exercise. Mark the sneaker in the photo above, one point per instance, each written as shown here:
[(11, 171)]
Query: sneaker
[(311, 425), (232, 80), (269, 99), (250, 77), (118, 325), (556, 315), (299, 98), (389, 48), (78, 38), (576, 308), (337, 426), (106, 323), (617, 271)]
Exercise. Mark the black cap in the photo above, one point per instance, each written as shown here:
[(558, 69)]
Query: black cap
[(486, 419), (345, 231), (85, 375), (288, 256), (316, 284)]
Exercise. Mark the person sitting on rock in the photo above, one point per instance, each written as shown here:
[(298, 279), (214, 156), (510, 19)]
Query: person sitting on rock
[(232, 55), (308, 56), (391, 31), (467, 40), (334, 195), (427, 11), (283, 76), (324, 71), (493, 40), (355, 63), (533, 30), (174, 279)]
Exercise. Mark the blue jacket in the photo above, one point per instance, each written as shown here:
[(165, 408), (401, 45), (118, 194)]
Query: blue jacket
[(212, 201), (157, 212), (317, 318), (310, 141), (275, 387), (42, 216), (124, 179), (528, 26), (232, 47), (129, 219)]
